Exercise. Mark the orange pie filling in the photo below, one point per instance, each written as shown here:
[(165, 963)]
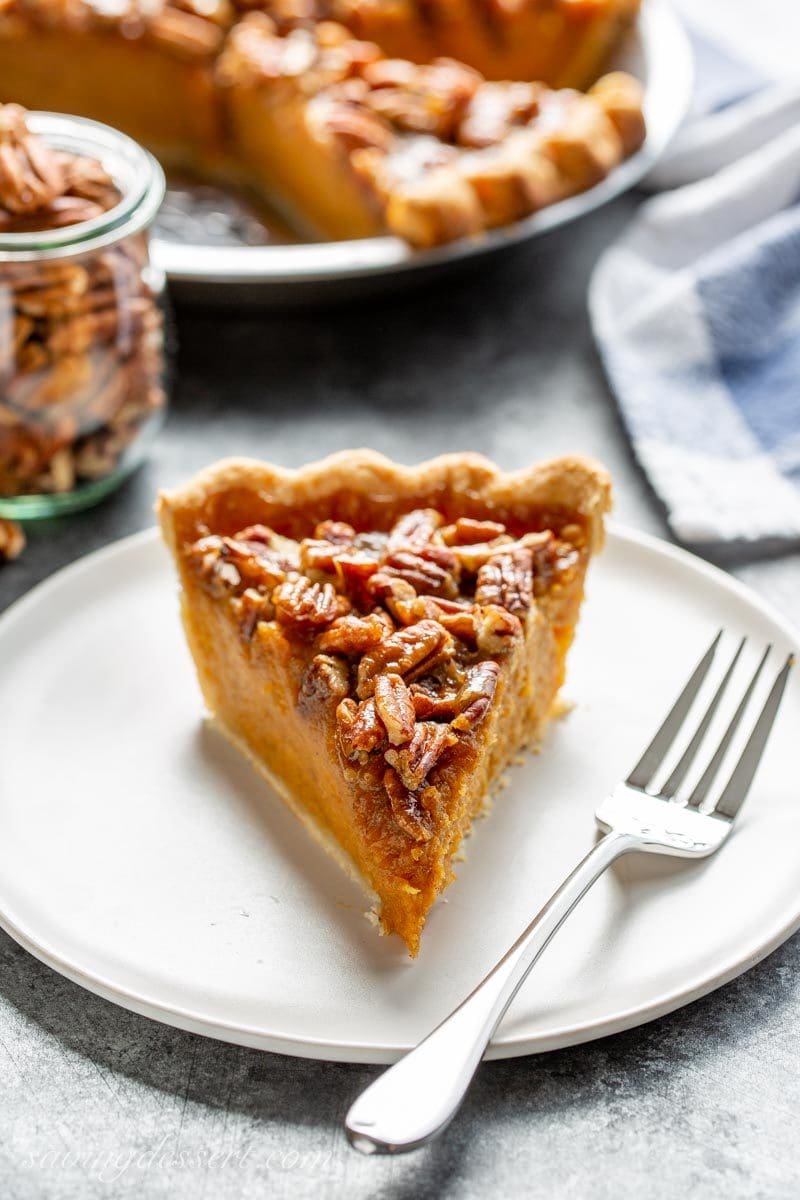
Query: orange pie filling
[(382, 667)]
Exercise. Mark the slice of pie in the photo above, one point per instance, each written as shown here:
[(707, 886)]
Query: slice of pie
[(343, 140), (382, 640)]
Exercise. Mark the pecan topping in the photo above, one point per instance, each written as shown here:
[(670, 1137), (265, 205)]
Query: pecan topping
[(355, 126), (354, 635), (231, 562), (466, 532), (327, 678), (495, 108), (415, 761), (30, 172), (253, 606), (395, 708), (339, 533), (12, 540), (402, 652), (476, 695), (406, 808), (433, 704), (359, 730), (354, 569), (414, 530), (496, 629), (421, 572), (421, 99), (302, 603), (507, 579), (397, 594)]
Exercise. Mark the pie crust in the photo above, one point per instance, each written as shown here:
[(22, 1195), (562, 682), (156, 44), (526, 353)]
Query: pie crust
[(376, 663)]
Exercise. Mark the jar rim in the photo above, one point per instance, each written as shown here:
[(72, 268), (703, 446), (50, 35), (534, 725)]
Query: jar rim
[(135, 171)]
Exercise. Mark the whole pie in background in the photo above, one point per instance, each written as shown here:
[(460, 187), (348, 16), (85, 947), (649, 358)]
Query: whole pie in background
[(352, 117), (381, 641)]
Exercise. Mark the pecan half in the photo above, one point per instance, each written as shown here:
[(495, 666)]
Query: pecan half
[(354, 635), (415, 761), (354, 570), (30, 173), (354, 125), (359, 730), (423, 573), (466, 532), (496, 629), (231, 562), (507, 580), (406, 808), (407, 650), (414, 530), (12, 540), (431, 704), (476, 695), (326, 679), (337, 532), (395, 708), (304, 604), (397, 594), (424, 99)]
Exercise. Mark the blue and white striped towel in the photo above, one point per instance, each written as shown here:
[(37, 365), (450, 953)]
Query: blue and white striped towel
[(696, 311)]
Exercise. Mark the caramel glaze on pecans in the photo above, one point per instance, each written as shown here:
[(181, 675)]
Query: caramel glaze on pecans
[(404, 631)]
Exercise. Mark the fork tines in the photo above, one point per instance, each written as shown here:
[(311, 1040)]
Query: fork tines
[(734, 792)]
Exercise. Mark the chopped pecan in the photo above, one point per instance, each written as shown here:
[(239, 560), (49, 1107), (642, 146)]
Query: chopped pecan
[(395, 708), (354, 125), (507, 580), (431, 703), (326, 678), (397, 594), (261, 534), (337, 532), (462, 625), (304, 604), (423, 573), (354, 635), (467, 531), (410, 649), (425, 99), (232, 562), (253, 606), (496, 629), (407, 810), (317, 555), (354, 569), (359, 730), (553, 563), (415, 761), (189, 35), (476, 695), (12, 540), (30, 173), (495, 109), (414, 530)]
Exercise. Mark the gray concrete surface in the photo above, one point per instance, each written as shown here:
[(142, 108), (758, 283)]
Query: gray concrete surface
[(97, 1102)]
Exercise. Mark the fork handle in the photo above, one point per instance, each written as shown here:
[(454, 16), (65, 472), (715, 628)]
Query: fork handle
[(412, 1102)]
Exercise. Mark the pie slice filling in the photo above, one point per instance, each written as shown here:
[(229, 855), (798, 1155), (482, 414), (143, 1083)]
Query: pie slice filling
[(381, 641)]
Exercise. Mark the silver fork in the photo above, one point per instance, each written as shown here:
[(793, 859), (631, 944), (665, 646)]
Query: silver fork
[(412, 1102)]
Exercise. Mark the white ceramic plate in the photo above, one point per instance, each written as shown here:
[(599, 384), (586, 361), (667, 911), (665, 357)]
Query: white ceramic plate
[(140, 857), (657, 52)]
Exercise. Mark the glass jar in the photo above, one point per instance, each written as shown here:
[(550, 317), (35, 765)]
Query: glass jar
[(82, 357)]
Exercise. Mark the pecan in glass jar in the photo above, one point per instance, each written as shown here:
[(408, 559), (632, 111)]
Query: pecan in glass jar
[(82, 367)]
